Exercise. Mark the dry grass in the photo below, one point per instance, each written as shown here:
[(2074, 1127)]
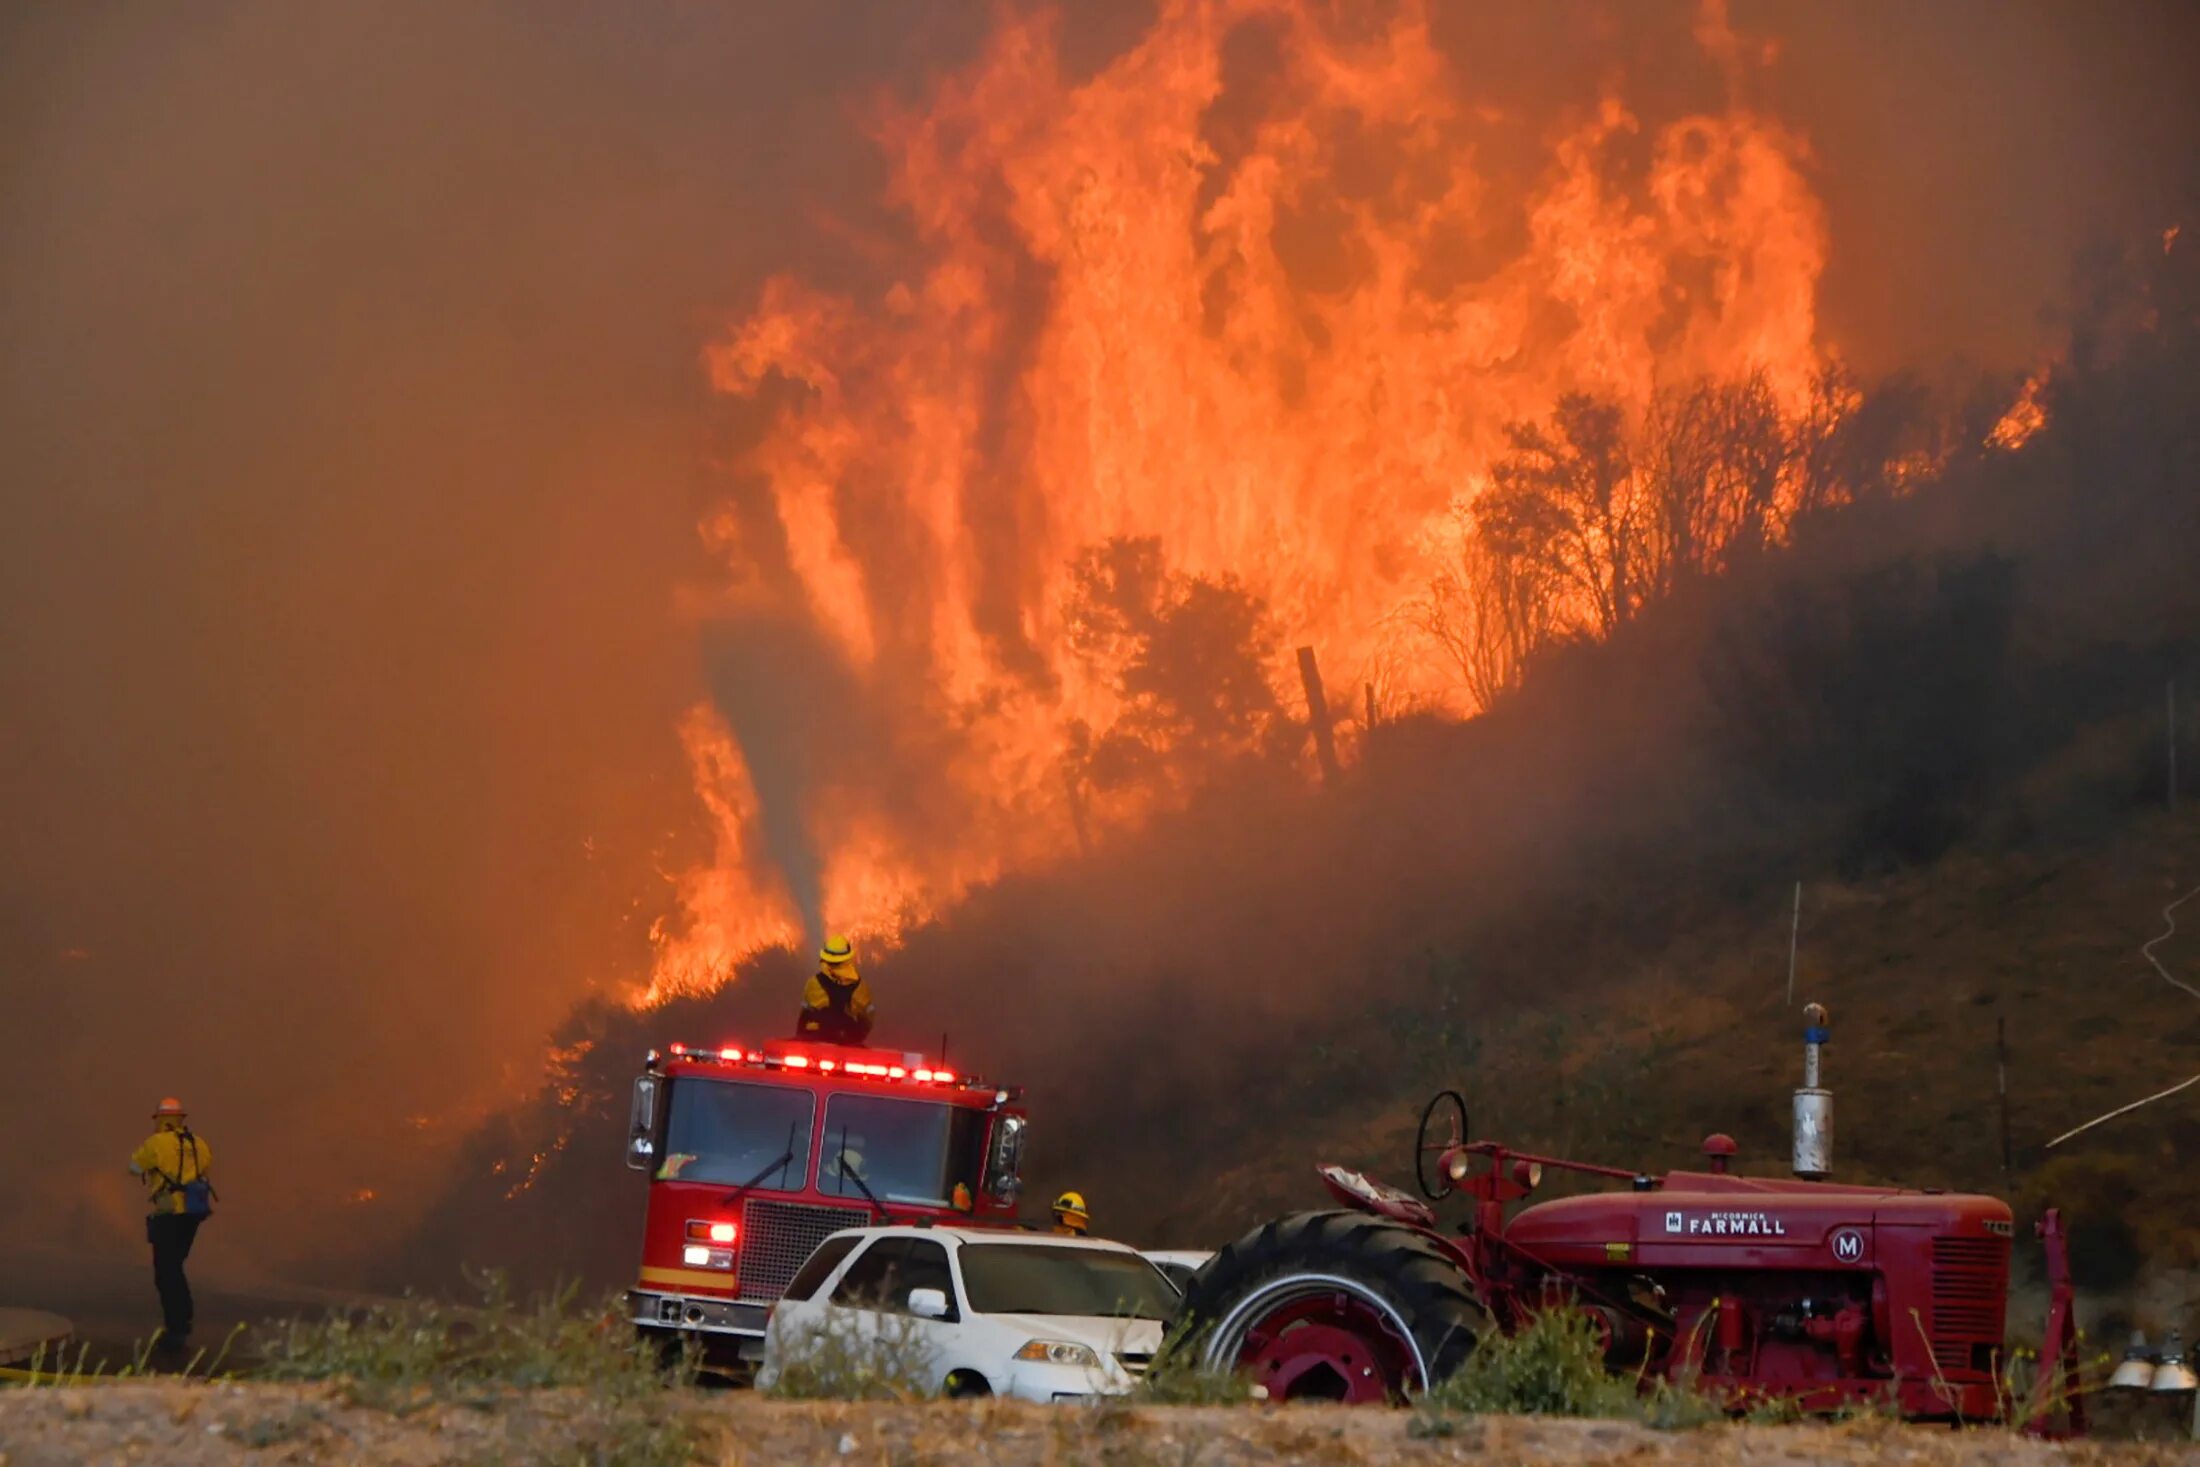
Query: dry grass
[(842, 1362), (615, 1402), (223, 1423)]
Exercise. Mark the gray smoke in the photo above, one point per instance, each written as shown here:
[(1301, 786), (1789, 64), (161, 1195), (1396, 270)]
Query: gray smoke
[(355, 437)]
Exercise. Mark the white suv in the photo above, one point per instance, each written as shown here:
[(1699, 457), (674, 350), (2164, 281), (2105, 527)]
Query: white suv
[(973, 1311), (1178, 1265)]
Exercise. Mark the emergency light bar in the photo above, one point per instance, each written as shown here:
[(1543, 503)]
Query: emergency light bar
[(913, 1069)]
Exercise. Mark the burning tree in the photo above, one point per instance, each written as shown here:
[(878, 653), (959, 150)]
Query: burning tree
[(1600, 510), (1187, 657)]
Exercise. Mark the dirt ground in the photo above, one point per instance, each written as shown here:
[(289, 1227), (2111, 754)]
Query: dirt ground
[(194, 1423)]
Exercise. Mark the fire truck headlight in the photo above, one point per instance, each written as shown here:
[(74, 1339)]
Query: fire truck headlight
[(1059, 1352), (696, 1255)]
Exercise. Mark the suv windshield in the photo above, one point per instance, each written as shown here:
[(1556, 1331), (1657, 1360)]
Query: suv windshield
[(727, 1131), (903, 1150), (1033, 1278)]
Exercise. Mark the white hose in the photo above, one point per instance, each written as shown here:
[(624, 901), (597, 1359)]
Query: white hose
[(2168, 931)]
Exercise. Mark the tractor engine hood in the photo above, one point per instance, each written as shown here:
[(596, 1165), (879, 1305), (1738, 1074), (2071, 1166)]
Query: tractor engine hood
[(1706, 1220)]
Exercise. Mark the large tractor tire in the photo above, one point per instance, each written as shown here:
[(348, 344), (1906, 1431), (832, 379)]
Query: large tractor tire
[(1334, 1306)]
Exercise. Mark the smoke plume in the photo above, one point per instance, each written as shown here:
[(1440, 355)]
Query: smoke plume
[(370, 373)]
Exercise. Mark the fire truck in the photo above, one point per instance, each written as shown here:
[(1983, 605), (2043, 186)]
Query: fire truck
[(755, 1155)]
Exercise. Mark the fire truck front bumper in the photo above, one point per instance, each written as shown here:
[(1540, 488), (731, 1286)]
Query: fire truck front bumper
[(653, 1309)]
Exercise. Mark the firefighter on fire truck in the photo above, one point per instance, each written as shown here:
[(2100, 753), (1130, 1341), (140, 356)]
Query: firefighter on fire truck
[(836, 1006)]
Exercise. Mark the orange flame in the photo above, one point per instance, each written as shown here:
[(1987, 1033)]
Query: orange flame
[(1278, 324), (2025, 417)]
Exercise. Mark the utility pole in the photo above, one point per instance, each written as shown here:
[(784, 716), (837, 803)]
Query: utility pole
[(1317, 713), (2173, 746)]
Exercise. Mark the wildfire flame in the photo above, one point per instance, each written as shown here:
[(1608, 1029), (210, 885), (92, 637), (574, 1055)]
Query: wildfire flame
[(1275, 318), (2025, 417)]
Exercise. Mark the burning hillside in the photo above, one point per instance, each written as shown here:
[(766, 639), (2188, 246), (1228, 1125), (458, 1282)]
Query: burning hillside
[(1227, 337), (1042, 379)]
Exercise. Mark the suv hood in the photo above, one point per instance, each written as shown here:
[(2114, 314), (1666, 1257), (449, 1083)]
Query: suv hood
[(1106, 1336)]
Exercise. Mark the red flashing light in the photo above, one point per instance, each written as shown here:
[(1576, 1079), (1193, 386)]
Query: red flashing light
[(720, 1233), (734, 1054)]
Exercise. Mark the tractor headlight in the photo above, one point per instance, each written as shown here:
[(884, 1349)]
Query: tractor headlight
[(1059, 1352)]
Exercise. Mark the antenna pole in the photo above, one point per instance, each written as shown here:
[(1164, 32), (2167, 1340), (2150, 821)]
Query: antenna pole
[(1795, 933), (2001, 1083)]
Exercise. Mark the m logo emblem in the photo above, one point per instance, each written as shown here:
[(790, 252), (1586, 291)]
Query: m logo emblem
[(1848, 1245), (1672, 1222)]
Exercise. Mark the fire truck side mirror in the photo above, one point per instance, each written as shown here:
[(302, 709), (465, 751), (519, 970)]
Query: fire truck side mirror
[(641, 1133), (1003, 1179)]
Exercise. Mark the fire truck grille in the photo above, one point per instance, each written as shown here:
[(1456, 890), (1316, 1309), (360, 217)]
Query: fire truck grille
[(776, 1238), (1970, 1287)]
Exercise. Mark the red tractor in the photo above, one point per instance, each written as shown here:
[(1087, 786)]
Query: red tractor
[(757, 1154), (1747, 1288)]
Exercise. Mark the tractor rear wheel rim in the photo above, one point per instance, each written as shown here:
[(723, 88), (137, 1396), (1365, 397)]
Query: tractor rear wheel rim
[(1320, 1337)]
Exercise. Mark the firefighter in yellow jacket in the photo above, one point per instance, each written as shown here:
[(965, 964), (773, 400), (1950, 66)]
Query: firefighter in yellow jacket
[(174, 1165), (836, 1006), (1071, 1216)]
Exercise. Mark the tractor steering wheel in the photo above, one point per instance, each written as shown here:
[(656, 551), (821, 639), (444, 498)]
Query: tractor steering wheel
[(1423, 1146)]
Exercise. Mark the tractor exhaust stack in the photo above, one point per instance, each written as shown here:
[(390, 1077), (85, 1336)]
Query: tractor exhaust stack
[(1813, 1105)]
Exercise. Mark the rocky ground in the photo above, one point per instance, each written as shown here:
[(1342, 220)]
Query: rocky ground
[(227, 1422)]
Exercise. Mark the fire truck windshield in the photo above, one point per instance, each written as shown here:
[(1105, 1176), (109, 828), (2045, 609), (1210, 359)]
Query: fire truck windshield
[(911, 1151), (729, 1131)]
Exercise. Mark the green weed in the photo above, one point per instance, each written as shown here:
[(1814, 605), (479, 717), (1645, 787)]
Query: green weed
[(1178, 1376), (1554, 1367)]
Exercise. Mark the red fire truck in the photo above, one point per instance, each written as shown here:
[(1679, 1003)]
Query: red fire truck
[(756, 1154)]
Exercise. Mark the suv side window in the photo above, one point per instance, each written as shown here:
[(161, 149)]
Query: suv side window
[(926, 1268), (821, 1263), (873, 1281)]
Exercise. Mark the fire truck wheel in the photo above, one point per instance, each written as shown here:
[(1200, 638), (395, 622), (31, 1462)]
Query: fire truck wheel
[(1334, 1306)]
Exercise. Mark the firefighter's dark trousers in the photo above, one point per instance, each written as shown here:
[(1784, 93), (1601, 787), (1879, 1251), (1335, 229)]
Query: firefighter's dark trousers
[(171, 1234)]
